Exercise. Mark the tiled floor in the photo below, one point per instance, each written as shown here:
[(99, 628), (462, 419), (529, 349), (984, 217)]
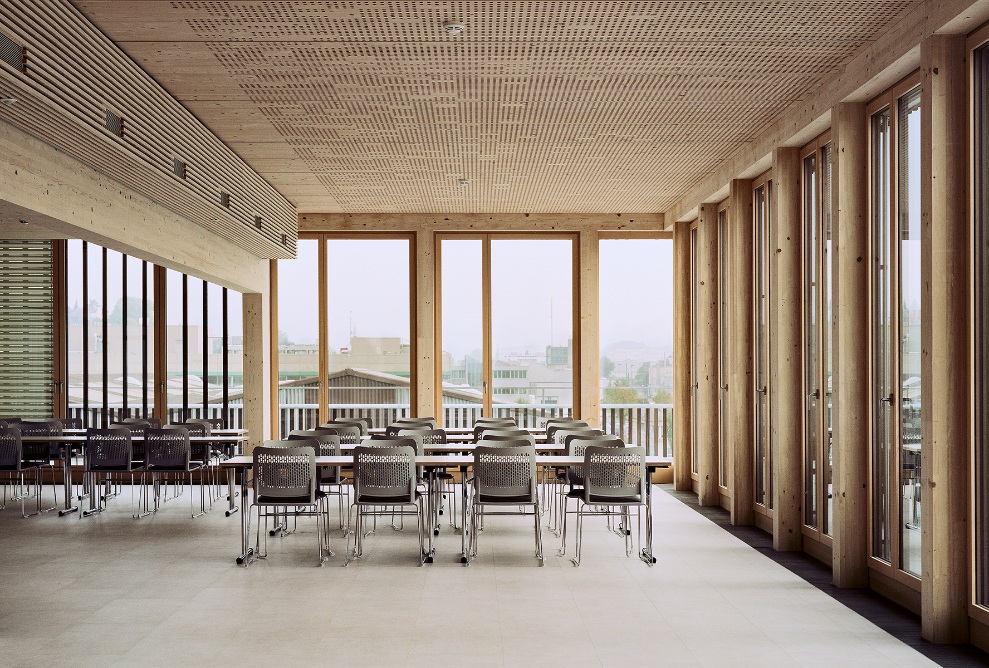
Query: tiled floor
[(164, 590)]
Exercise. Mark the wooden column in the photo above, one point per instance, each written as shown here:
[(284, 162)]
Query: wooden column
[(588, 343), (707, 351), (257, 368), (787, 424), (741, 386), (423, 322), (850, 383), (945, 336), (682, 380)]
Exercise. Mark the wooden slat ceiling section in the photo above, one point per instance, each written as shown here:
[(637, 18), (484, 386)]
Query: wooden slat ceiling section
[(542, 106)]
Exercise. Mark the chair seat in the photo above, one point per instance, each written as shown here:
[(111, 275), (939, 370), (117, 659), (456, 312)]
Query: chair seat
[(303, 500), (494, 499), (614, 500), (122, 467), (171, 469), (386, 500)]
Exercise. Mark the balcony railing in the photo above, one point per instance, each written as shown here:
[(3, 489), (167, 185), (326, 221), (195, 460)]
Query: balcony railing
[(648, 425)]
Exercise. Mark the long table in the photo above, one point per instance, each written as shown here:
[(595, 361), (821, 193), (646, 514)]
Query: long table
[(71, 439), (242, 464)]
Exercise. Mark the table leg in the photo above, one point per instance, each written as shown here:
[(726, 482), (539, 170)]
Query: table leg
[(231, 493), (463, 515), (646, 552), (246, 552), (67, 481), (431, 512)]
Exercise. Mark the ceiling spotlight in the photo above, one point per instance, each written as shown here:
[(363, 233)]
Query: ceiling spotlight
[(453, 28), (8, 100), (22, 221), (464, 182)]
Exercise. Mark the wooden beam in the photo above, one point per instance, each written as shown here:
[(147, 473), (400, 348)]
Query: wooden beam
[(707, 351), (741, 386), (946, 379), (75, 201), (257, 368), (478, 222), (882, 63), (787, 422), (423, 314), (589, 302), (850, 480), (682, 380)]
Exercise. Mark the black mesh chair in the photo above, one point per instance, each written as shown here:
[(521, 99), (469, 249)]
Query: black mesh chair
[(14, 464), (42, 454), (330, 477), (614, 482), (169, 453), (108, 452), (364, 424), (285, 476), (571, 481), (504, 477), (385, 478)]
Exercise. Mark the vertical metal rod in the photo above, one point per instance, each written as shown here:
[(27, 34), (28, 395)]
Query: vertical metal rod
[(105, 422), (85, 334)]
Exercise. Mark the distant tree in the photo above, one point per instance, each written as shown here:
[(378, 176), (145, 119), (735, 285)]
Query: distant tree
[(607, 367), (662, 397), (522, 399), (283, 339), (135, 311), (642, 375), (620, 391)]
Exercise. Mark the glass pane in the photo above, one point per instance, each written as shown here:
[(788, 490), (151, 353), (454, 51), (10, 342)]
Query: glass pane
[(94, 343), (213, 360), (826, 348), (812, 390), (881, 344), (694, 367), (139, 391), (235, 360), (368, 309), (981, 271), (75, 306), (762, 342), (117, 383), (636, 335), (195, 389), (532, 329), (462, 330), (298, 339), (908, 181), (724, 343), (174, 367)]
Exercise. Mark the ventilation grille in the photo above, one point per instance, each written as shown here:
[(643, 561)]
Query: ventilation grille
[(13, 53), (27, 343), (225, 200), (114, 123), (178, 168)]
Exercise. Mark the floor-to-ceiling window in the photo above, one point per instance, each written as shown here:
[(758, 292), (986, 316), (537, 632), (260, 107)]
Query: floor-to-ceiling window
[(635, 300), (694, 355), (369, 336), (896, 329), (762, 198), (980, 134), (298, 339), (817, 335), (724, 349), (507, 327)]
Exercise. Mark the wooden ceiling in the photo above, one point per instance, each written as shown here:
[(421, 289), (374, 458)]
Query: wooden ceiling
[(540, 106)]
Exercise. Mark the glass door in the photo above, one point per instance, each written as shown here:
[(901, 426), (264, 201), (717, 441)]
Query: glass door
[(762, 199)]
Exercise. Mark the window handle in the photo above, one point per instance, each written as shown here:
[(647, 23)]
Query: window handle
[(887, 400), (816, 394), (725, 387), (761, 390)]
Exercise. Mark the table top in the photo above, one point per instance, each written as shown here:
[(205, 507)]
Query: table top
[(81, 438), (213, 432), (246, 461)]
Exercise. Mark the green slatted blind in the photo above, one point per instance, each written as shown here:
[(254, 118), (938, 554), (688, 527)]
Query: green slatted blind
[(27, 341)]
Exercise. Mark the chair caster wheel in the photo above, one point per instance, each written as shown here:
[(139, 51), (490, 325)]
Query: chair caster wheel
[(240, 560), (463, 560), (441, 511), (429, 560), (436, 532)]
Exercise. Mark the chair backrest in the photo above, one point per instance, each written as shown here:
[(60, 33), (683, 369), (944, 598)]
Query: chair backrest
[(414, 435), (429, 436), (502, 430), (350, 434), (361, 423), (552, 426), (194, 428), (327, 445), (385, 472), (154, 422), (11, 448), (507, 421), (109, 449), (508, 440), (285, 472), (577, 443), (70, 423), (206, 424), (136, 425), (560, 435), (11, 420), (505, 471), (428, 420), (167, 448), (614, 473), (40, 451), (214, 422), (395, 427)]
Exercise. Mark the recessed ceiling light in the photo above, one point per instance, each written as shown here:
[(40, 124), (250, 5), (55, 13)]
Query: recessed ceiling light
[(22, 221), (464, 182), (8, 100), (453, 28)]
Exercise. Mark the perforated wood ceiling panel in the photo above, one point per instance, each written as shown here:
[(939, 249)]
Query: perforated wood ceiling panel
[(541, 106)]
